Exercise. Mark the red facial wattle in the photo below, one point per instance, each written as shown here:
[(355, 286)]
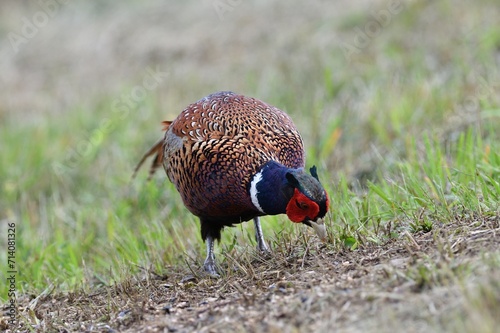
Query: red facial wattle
[(301, 208)]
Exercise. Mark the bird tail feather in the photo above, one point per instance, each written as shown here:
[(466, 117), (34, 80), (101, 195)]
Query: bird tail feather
[(157, 151)]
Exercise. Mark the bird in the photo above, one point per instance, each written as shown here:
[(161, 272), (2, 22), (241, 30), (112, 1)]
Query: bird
[(234, 158)]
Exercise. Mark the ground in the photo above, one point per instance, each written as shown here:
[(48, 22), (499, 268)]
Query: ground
[(428, 280)]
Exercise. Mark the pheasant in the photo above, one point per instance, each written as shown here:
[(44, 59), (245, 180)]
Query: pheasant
[(234, 158)]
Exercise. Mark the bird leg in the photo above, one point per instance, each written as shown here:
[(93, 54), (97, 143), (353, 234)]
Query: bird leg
[(209, 264), (259, 237)]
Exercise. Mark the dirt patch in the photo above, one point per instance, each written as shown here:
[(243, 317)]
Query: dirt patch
[(424, 280)]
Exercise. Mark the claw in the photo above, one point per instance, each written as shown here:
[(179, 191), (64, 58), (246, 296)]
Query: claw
[(210, 268)]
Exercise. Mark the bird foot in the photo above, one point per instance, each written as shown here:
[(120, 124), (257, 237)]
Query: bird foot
[(210, 269), (262, 247), (264, 251)]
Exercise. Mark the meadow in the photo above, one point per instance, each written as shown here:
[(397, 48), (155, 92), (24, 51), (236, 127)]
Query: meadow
[(398, 103)]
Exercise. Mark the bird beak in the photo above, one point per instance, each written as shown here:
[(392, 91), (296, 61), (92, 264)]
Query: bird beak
[(319, 227)]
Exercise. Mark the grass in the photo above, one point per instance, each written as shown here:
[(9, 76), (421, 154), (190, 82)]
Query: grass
[(74, 220), (405, 138)]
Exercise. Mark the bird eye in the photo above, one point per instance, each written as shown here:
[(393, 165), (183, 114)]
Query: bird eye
[(302, 205)]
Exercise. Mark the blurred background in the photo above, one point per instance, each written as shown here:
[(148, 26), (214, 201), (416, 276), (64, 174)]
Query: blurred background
[(85, 85), (322, 62)]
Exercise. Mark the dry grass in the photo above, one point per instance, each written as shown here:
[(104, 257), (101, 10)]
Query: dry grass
[(443, 280)]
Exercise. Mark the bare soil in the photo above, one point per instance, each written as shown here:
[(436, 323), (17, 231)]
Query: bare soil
[(419, 282)]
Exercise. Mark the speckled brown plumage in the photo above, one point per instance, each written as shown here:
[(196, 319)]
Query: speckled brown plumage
[(216, 144)]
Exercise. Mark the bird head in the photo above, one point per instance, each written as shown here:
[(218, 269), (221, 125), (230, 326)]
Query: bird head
[(309, 202)]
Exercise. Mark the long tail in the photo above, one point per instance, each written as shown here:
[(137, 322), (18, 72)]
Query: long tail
[(158, 159)]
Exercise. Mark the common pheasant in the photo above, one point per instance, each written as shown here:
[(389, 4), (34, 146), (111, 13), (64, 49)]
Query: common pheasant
[(234, 158)]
